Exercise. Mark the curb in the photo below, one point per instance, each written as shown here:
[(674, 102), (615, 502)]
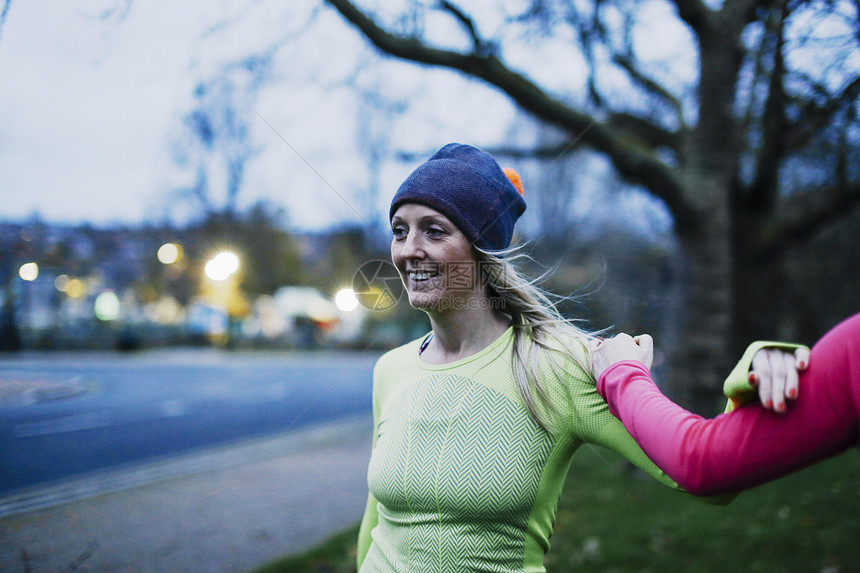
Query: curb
[(231, 455)]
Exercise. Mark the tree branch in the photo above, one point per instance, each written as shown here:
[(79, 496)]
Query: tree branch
[(479, 45), (543, 152), (626, 62), (589, 31), (815, 115), (801, 217), (634, 163), (765, 188), (4, 11), (695, 13), (742, 12), (647, 131)]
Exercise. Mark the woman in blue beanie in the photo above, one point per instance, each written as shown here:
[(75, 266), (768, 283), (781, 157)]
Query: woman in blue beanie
[(475, 424)]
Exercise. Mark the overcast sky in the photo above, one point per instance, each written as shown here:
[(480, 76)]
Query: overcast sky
[(90, 108), (86, 106)]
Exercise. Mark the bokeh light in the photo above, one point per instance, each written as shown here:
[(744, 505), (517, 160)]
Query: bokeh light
[(107, 306), (169, 253), (29, 271), (61, 283), (75, 288), (346, 300), (221, 266)]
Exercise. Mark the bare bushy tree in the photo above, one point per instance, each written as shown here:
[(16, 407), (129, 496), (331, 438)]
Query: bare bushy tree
[(741, 115)]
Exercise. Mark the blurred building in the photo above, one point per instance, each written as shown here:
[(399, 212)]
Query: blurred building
[(68, 287)]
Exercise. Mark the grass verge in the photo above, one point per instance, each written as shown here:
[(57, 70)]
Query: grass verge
[(613, 519)]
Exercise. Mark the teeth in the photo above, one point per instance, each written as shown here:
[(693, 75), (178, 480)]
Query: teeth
[(419, 276)]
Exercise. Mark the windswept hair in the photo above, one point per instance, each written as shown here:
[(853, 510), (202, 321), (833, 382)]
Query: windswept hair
[(542, 335)]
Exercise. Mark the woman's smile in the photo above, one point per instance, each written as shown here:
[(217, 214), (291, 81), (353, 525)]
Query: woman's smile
[(421, 276), (429, 251)]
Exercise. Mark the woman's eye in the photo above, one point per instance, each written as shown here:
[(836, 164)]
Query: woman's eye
[(435, 232), (398, 232)]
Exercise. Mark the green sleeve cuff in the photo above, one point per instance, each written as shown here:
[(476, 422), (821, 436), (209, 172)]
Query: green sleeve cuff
[(737, 386)]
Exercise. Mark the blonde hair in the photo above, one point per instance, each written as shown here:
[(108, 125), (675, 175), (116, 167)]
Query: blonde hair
[(542, 335)]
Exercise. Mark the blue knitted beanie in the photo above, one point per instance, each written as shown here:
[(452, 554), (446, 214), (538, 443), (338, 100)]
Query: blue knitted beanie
[(467, 186)]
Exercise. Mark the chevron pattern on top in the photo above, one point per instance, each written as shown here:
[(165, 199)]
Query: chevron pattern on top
[(456, 470)]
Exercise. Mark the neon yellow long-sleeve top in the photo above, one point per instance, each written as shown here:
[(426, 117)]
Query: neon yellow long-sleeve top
[(461, 477)]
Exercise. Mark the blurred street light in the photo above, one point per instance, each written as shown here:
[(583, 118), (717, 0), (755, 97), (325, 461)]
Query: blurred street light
[(61, 283), (169, 253), (222, 266), (222, 291), (346, 300), (29, 271), (107, 306), (76, 288)]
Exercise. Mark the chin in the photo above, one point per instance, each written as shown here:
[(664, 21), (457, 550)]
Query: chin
[(423, 300)]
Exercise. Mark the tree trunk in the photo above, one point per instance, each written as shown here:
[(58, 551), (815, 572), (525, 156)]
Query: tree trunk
[(762, 302), (703, 357)]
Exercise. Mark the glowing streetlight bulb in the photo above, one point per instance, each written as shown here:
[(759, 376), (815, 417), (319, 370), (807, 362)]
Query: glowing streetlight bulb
[(61, 283), (221, 266), (107, 306), (75, 288), (29, 271), (346, 300), (169, 253)]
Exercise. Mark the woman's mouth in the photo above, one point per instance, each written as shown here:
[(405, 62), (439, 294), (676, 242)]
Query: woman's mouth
[(420, 276)]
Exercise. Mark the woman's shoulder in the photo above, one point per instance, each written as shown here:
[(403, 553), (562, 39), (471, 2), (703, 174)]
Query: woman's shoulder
[(566, 363), (571, 347), (397, 356), (388, 374)]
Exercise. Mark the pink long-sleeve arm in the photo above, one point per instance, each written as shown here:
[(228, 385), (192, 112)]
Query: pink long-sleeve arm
[(750, 445)]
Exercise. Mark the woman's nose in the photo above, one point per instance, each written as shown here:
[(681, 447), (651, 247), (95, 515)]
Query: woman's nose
[(411, 248)]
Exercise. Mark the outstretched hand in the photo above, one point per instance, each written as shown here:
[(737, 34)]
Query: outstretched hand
[(776, 374), (608, 351)]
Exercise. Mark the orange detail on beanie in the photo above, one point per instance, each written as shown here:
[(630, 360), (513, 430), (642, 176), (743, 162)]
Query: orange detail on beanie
[(514, 178)]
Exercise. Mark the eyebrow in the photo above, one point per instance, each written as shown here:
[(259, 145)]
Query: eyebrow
[(426, 218)]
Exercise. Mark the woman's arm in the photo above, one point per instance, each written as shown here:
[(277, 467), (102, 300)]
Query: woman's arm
[(767, 370), (750, 445), (591, 421), (371, 512)]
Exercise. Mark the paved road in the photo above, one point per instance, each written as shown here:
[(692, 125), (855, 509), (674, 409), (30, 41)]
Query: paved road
[(65, 415), (223, 510)]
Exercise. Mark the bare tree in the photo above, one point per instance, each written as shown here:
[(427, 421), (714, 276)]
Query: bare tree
[(217, 143), (375, 117), (753, 154)]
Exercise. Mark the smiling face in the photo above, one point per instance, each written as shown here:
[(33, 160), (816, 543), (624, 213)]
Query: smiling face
[(434, 258)]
